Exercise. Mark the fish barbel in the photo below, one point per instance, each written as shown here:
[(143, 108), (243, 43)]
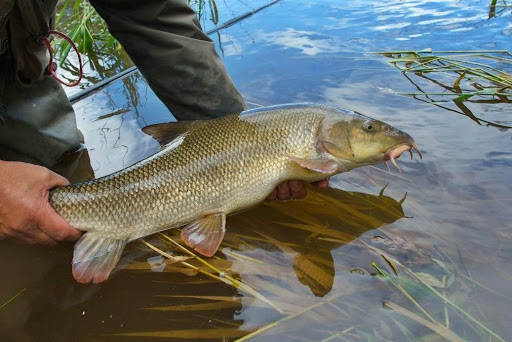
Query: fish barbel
[(208, 169)]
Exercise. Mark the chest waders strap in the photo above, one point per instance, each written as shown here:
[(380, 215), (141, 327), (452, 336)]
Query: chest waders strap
[(50, 64)]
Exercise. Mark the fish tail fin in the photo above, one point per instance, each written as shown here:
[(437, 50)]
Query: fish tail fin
[(95, 256)]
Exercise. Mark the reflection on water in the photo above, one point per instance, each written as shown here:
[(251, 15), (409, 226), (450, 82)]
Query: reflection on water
[(318, 259), (111, 121)]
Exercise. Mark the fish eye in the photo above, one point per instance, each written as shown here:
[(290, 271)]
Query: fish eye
[(368, 126)]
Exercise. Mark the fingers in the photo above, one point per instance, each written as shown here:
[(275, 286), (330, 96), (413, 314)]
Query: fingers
[(55, 180), (283, 191), (56, 227), (25, 213), (297, 189), (49, 221), (273, 195)]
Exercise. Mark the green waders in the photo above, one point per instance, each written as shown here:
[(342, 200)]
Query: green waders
[(163, 38)]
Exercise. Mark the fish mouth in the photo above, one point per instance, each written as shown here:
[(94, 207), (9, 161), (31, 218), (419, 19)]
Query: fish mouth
[(396, 151)]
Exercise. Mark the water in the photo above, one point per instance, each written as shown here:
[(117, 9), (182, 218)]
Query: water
[(311, 258)]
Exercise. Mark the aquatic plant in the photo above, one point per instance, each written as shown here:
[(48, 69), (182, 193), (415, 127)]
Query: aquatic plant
[(457, 77), (496, 8), (84, 26), (11, 299), (103, 56)]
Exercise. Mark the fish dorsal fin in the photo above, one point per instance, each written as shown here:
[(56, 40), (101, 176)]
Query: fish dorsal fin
[(95, 257), (206, 234), (321, 165), (164, 133)]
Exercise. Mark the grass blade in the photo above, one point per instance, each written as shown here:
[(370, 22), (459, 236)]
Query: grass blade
[(12, 298), (437, 327)]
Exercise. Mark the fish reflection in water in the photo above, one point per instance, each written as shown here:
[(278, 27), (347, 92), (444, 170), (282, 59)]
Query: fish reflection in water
[(284, 248), (304, 232), (283, 240)]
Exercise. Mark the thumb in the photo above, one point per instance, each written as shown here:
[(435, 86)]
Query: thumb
[(56, 180)]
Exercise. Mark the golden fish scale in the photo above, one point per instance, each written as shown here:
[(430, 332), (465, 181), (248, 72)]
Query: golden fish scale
[(221, 165)]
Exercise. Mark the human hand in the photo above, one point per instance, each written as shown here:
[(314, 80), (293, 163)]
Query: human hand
[(25, 213), (295, 189)]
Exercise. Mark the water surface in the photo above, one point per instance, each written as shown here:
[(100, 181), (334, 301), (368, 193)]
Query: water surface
[(314, 259)]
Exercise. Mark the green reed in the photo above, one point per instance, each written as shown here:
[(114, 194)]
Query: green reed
[(469, 67), (11, 299), (459, 79), (80, 21)]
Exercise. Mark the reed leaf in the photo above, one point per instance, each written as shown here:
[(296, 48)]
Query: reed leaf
[(12, 298), (440, 329), (221, 275), (192, 334)]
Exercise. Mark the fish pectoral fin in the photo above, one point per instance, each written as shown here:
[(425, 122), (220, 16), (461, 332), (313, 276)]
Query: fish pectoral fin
[(164, 133), (322, 165), (206, 234), (95, 256)]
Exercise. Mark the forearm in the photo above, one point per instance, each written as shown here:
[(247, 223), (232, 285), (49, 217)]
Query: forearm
[(164, 39)]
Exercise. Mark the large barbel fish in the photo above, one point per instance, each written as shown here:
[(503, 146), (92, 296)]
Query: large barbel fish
[(208, 169)]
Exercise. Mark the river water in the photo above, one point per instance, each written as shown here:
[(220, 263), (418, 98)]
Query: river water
[(445, 250)]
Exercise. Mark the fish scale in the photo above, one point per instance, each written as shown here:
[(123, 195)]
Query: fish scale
[(214, 168)]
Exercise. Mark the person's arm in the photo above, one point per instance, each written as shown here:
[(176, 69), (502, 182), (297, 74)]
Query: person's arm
[(25, 213)]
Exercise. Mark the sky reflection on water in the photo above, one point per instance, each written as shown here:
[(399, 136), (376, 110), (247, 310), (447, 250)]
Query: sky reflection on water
[(458, 196)]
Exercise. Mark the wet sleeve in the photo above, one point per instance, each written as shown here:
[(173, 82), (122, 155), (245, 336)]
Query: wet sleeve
[(165, 41)]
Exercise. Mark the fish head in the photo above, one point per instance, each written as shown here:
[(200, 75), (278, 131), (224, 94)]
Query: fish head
[(353, 140)]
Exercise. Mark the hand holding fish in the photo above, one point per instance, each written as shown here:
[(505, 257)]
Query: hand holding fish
[(25, 213)]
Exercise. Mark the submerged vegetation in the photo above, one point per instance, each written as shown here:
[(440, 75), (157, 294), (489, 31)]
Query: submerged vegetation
[(459, 78)]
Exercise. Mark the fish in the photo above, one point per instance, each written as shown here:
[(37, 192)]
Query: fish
[(208, 169)]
